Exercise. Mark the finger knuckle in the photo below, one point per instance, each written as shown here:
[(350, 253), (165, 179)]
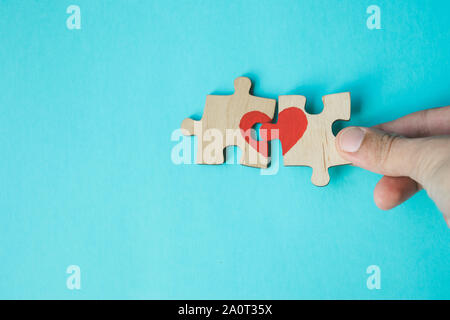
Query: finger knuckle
[(386, 147)]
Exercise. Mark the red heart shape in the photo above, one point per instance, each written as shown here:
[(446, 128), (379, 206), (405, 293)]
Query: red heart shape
[(291, 126), (247, 122)]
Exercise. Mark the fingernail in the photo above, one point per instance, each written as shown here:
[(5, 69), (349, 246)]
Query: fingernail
[(351, 138)]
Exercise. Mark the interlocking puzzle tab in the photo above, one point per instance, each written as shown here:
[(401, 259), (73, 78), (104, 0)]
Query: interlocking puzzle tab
[(220, 125)]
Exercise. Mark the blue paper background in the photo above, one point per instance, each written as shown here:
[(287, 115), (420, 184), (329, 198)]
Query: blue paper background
[(86, 176)]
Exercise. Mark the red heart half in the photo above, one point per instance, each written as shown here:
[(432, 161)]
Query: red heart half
[(247, 122), (291, 126)]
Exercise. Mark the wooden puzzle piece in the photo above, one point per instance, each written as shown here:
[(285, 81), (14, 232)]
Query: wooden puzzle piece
[(307, 139), (221, 125)]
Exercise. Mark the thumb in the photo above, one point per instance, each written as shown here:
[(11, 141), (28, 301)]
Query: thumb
[(392, 155)]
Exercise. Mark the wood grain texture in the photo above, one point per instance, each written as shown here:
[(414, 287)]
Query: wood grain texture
[(219, 126), (316, 148)]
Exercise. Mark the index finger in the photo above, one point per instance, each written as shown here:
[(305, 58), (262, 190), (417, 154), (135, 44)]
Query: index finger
[(425, 123)]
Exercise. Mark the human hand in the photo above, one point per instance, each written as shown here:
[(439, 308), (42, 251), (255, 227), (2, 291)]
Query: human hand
[(412, 152)]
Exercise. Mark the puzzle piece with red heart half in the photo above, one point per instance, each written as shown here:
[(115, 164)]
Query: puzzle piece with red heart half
[(306, 139), (219, 126)]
